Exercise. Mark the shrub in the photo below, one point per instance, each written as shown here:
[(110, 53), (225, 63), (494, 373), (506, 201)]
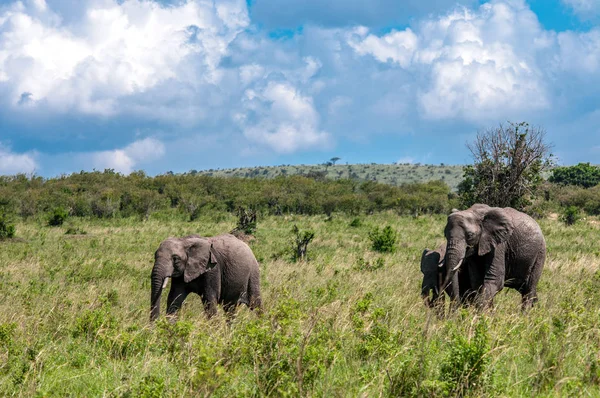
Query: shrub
[(570, 215), (246, 221), (355, 223), (57, 217), (300, 241), (383, 241), (7, 230), (467, 360)]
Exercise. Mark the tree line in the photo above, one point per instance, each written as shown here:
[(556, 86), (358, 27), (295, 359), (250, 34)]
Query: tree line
[(509, 165), (109, 194)]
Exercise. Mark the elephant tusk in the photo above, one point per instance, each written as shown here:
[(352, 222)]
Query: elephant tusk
[(457, 266), (166, 282)]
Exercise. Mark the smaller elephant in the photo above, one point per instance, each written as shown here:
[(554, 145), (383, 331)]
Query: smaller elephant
[(221, 269), (433, 267)]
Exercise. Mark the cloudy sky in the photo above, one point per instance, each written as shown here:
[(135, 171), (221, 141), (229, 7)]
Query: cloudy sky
[(178, 85)]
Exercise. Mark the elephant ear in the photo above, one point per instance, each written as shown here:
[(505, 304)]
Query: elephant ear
[(431, 260), (496, 228), (200, 259)]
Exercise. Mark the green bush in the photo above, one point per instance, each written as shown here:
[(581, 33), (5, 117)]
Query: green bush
[(583, 175), (464, 367), (57, 217), (383, 241), (300, 241), (570, 215), (355, 223), (7, 230)]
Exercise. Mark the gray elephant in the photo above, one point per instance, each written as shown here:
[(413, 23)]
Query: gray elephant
[(433, 267), (503, 246), (221, 269)]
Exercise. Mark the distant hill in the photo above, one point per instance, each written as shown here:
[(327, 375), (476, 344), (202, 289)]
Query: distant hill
[(392, 174)]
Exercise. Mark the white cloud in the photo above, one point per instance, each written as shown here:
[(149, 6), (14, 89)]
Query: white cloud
[(475, 65), (14, 163), (395, 46), (117, 50), (584, 8), (280, 117), (580, 52), (124, 160)]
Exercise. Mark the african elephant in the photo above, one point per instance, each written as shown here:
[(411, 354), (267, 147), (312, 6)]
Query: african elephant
[(503, 246), (221, 270), (433, 268)]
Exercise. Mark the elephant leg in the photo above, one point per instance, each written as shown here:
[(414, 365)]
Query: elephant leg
[(254, 300), (493, 280), (529, 292), (210, 305), (177, 295)]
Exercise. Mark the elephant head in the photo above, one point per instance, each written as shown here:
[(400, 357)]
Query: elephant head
[(432, 267), (187, 257), (473, 232)]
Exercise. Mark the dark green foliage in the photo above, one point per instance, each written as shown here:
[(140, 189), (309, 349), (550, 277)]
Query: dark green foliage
[(300, 241), (384, 240), (583, 175), (355, 223), (570, 215), (58, 217), (508, 166), (7, 229), (465, 365)]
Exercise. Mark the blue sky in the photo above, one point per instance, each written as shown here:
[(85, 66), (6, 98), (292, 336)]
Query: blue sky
[(179, 85)]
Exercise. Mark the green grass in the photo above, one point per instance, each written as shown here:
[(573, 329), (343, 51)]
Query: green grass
[(393, 174), (74, 317)]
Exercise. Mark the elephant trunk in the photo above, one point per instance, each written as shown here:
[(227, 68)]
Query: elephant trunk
[(161, 271), (455, 256)]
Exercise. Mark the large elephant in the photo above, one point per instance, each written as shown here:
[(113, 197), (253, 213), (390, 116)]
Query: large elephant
[(433, 267), (221, 270), (503, 246)]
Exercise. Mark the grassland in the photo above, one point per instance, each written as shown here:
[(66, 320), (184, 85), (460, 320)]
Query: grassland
[(74, 317), (392, 174)]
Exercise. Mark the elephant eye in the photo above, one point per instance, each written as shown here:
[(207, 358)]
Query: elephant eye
[(176, 258)]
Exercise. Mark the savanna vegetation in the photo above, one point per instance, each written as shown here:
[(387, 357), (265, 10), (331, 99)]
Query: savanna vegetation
[(340, 281), (347, 322), (391, 174)]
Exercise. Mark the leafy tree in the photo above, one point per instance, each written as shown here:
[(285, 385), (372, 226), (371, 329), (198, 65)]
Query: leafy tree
[(508, 166), (583, 175), (333, 160)]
